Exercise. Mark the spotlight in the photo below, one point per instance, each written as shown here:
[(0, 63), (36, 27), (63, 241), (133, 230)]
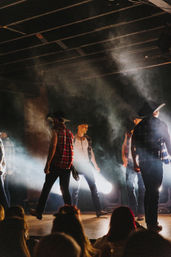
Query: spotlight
[(160, 188), (103, 185)]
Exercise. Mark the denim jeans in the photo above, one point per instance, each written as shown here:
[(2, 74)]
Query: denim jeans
[(89, 177), (135, 196)]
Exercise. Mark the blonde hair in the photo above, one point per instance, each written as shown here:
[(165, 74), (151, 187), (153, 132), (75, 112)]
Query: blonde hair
[(57, 245)]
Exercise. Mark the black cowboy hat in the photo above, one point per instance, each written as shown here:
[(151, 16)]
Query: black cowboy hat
[(57, 115), (149, 108)]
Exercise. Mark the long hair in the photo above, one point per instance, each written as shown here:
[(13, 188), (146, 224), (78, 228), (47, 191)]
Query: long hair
[(146, 243), (13, 241), (122, 222), (57, 245), (71, 225)]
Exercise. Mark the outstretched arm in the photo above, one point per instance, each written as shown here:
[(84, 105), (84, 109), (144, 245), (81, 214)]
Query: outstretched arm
[(52, 149)]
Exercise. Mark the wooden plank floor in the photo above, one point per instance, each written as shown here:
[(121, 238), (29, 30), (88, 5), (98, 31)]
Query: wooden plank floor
[(94, 227)]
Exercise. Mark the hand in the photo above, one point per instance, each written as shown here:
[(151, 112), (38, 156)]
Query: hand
[(98, 169), (136, 167), (125, 162), (46, 169)]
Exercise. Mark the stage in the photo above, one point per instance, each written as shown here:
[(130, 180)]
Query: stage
[(94, 227)]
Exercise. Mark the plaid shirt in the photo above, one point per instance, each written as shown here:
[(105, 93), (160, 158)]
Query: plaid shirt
[(164, 154), (63, 156), (147, 138)]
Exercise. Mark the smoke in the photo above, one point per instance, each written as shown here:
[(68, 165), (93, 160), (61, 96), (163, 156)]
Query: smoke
[(28, 171), (96, 99), (130, 64)]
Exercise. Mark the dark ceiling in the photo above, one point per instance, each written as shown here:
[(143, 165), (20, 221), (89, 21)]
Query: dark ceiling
[(74, 36)]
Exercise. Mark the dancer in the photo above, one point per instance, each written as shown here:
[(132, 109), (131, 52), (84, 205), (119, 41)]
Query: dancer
[(147, 140), (3, 197), (58, 162), (10, 162), (135, 197), (84, 162)]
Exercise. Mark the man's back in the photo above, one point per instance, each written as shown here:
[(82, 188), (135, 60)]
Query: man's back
[(147, 137)]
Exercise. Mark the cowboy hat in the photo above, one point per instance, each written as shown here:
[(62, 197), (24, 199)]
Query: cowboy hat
[(149, 108), (57, 115)]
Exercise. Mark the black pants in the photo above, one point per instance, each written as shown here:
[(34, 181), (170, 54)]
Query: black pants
[(88, 175), (64, 176), (152, 173)]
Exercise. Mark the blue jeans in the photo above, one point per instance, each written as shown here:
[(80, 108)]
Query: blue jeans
[(64, 177), (135, 197), (88, 175)]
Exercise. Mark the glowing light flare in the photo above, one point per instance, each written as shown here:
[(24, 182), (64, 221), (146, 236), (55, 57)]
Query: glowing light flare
[(103, 185), (160, 188)]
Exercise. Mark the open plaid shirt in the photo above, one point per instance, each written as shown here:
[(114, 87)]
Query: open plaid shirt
[(64, 150)]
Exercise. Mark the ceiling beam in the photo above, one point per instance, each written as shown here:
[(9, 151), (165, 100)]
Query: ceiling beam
[(68, 24), (84, 45), (95, 43), (15, 3), (162, 5), (48, 13)]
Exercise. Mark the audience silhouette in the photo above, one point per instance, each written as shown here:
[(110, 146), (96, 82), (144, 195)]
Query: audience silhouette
[(13, 238), (146, 243), (57, 245), (67, 221), (122, 223)]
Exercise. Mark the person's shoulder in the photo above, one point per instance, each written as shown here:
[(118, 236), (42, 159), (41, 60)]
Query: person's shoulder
[(70, 132), (139, 125), (101, 241), (88, 138), (162, 124)]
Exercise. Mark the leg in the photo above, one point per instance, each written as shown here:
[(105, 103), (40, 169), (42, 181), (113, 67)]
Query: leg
[(92, 185), (75, 192), (49, 181), (140, 194), (64, 185), (130, 181), (152, 173), (3, 197)]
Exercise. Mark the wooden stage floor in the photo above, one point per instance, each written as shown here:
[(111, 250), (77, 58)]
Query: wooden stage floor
[(94, 227)]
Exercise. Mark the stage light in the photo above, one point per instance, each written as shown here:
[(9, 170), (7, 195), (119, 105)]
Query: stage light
[(56, 190), (160, 188), (103, 185)]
